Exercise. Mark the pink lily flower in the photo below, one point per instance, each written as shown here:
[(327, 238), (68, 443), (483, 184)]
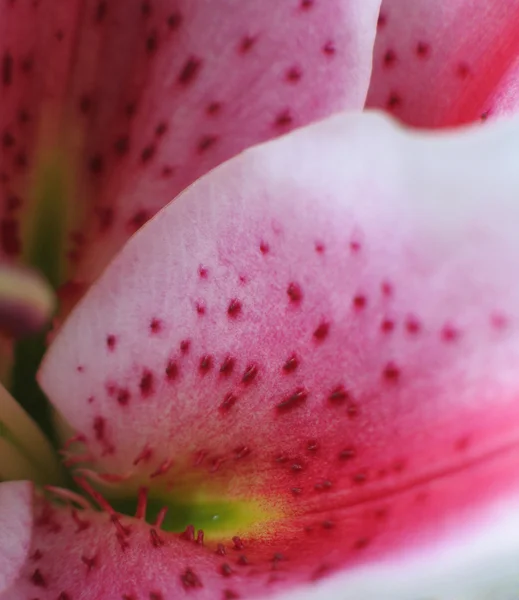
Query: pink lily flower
[(309, 357)]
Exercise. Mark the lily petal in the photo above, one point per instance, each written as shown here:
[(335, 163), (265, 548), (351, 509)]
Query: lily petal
[(15, 525), (478, 563), (110, 109), (324, 330), (87, 554), (72, 549), (446, 63)]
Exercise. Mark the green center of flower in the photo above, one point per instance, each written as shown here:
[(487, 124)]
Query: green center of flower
[(216, 517)]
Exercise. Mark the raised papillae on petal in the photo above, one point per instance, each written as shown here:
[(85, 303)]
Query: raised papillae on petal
[(322, 336), (110, 109), (446, 62)]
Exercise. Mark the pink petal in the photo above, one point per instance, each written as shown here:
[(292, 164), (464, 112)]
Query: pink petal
[(126, 103), (447, 62), (480, 564), (80, 552), (327, 324), (15, 525), (92, 555)]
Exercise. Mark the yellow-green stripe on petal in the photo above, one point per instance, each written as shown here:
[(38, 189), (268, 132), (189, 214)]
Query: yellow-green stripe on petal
[(26, 301), (25, 453)]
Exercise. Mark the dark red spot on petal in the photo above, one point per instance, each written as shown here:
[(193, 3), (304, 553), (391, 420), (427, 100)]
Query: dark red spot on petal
[(220, 549), (206, 363), (167, 171), (100, 11), (171, 370), (206, 142), (359, 478), (387, 326), (99, 428), (250, 374), (294, 292), (284, 119), (291, 364), (228, 402), (247, 43), (146, 8), (463, 70), (297, 398), (213, 108), (413, 325), (190, 70), (391, 372), (394, 101), (449, 333), (8, 140), (226, 570), (161, 129), (238, 543), (174, 21), (322, 331), (151, 42), (234, 308), (190, 579), (347, 454), (155, 325), (148, 152), (329, 48), (226, 368), (7, 68), (294, 74), (312, 446), (422, 49), (38, 579), (123, 397), (389, 58), (360, 301), (338, 395), (146, 383), (386, 288), (352, 410)]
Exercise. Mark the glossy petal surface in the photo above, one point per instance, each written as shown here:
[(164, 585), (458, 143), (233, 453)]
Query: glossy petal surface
[(110, 109), (445, 63), (296, 332)]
